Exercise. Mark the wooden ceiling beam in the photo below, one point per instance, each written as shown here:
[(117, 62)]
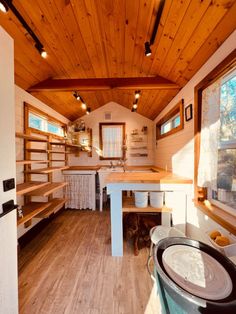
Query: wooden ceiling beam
[(95, 84)]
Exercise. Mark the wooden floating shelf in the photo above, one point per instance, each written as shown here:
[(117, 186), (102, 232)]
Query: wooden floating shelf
[(31, 210), (57, 143), (58, 152), (46, 170), (47, 189), (129, 207), (56, 205), (29, 162), (31, 138), (73, 145), (35, 150), (27, 187)]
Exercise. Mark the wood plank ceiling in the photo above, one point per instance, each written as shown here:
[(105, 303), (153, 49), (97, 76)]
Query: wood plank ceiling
[(105, 38)]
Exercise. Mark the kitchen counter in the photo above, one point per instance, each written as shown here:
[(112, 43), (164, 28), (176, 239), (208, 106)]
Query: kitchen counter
[(155, 177), (177, 191), (84, 168)]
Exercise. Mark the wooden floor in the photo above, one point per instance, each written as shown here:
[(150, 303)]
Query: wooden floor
[(68, 268)]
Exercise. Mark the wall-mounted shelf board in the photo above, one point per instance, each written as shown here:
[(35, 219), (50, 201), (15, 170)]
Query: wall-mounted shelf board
[(46, 170), (30, 137), (47, 189), (129, 207), (32, 209), (27, 187), (56, 205), (57, 143), (73, 145), (29, 162), (36, 150)]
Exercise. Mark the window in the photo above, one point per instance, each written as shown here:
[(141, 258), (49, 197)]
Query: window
[(112, 137), (171, 123), (42, 122), (226, 164), (215, 143)]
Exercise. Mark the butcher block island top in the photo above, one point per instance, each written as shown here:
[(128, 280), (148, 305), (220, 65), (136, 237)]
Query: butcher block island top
[(160, 176)]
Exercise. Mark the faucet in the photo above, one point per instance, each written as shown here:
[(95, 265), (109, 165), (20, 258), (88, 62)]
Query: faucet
[(111, 165)]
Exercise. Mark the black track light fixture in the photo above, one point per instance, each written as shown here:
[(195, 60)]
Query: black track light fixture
[(148, 50), (4, 6), (137, 94), (76, 95), (41, 50), (88, 110), (147, 44)]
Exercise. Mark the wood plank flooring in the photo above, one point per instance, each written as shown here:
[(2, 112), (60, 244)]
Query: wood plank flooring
[(68, 268)]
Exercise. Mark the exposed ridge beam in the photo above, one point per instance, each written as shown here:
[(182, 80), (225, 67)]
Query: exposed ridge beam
[(93, 84)]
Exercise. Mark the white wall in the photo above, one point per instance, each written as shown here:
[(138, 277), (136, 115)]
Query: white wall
[(22, 96), (8, 237), (177, 151), (119, 114)]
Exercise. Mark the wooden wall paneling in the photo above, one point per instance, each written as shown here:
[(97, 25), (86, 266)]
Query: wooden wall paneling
[(131, 19), (63, 41), (214, 40), (95, 52), (212, 17), (192, 17), (173, 21), (70, 22), (98, 63)]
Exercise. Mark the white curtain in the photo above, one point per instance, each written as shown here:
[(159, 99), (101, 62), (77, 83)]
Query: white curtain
[(80, 191), (210, 126), (112, 141)]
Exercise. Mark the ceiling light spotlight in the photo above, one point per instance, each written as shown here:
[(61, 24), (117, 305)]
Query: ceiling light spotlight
[(135, 106), (148, 50), (133, 109), (137, 94), (41, 50), (83, 105), (76, 95), (3, 6), (88, 110)]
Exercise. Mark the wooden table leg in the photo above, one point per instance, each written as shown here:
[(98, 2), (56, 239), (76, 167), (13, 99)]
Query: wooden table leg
[(116, 224)]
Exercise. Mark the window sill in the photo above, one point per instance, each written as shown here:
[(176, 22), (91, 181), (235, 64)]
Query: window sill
[(217, 214)]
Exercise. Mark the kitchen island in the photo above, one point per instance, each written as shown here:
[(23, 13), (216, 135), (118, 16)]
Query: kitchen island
[(178, 194)]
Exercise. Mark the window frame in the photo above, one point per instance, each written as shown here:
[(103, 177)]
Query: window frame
[(177, 109), (101, 124), (31, 109), (215, 210)]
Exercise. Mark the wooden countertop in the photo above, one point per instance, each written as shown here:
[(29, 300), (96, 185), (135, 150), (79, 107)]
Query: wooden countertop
[(84, 168), (147, 177)]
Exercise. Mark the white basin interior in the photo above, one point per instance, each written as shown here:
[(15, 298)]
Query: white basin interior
[(115, 169)]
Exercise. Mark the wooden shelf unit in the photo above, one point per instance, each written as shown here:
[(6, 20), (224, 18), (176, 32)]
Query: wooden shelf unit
[(53, 208), (128, 206), (31, 188), (27, 187), (31, 210), (31, 138), (30, 162), (47, 189), (45, 170)]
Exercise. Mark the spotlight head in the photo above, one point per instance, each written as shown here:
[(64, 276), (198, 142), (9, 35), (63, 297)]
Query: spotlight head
[(3, 6), (83, 105), (134, 109), (148, 50), (135, 106), (88, 110), (137, 94), (41, 50), (76, 95)]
